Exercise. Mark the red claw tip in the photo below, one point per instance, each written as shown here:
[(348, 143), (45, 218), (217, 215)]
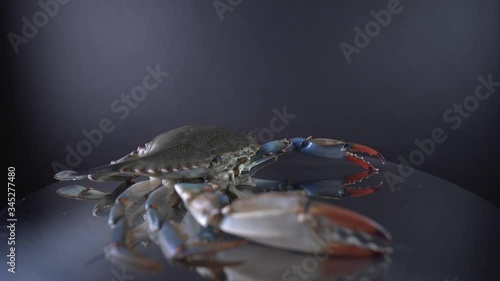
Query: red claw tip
[(365, 149)]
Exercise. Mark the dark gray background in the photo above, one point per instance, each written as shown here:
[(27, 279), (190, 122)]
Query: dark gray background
[(232, 73)]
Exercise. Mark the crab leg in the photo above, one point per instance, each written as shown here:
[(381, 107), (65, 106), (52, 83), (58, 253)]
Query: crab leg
[(164, 232), (129, 197), (170, 236), (109, 172), (333, 187), (94, 176), (327, 148), (119, 249), (105, 200), (103, 206)]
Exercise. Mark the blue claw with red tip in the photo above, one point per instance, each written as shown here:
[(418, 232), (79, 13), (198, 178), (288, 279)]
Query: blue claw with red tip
[(327, 148)]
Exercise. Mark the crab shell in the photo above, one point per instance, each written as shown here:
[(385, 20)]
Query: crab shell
[(187, 152)]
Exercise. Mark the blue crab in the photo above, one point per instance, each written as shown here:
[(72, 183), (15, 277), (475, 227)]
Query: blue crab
[(201, 169)]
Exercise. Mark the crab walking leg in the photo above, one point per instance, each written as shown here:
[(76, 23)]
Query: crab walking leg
[(169, 235), (140, 233), (105, 199), (119, 250), (129, 197), (327, 148), (159, 215), (103, 206), (107, 174), (161, 230)]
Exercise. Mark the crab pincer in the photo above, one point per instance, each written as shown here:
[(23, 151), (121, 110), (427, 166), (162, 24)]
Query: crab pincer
[(326, 148), (336, 149)]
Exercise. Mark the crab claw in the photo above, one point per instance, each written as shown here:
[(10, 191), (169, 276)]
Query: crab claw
[(351, 156), (330, 148), (292, 221)]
